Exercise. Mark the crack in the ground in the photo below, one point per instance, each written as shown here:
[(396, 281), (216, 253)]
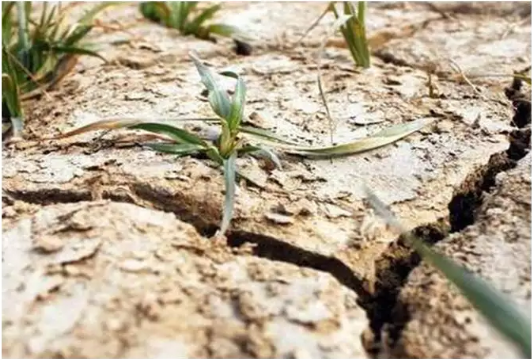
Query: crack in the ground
[(388, 316), (277, 250)]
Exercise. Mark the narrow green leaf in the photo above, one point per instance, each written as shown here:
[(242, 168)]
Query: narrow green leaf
[(76, 51), (223, 30), (177, 134), (218, 98), (181, 14), (362, 12), (230, 189), (10, 94), (205, 15), (383, 138), (118, 123), (87, 18), (213, 154), (498, 309), (76, 35), (7, 23), (238, 102), (182, 149), (156, 11), (22, 17)]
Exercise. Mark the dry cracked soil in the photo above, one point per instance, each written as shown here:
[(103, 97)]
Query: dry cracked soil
[(107, 247)]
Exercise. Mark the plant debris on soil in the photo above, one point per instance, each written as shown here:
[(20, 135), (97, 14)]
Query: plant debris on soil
[(107, 248)]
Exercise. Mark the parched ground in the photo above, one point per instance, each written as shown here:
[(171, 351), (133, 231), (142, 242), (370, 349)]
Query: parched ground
[(107, 248)]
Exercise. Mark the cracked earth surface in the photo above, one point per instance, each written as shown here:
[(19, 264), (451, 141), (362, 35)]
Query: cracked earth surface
[(118, 237)]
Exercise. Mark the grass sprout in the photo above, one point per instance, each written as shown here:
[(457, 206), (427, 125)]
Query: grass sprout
[(186, 17), (351, 20), (232, 138), (352, 25), (38, 53), (499, 310)]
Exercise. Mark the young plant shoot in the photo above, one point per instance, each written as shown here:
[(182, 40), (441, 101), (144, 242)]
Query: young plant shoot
[(186, 17), (235, 139), (37, 54), (351, 21)]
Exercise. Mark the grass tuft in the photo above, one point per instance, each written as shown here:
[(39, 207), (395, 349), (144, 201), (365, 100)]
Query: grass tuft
[(351, 20), (37, 53), (233, 138), (189, 19)]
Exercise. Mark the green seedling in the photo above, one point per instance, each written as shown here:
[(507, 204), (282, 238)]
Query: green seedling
[(234, 139), (499, 310), (37, 53), (351, 21), (187, 18), (352, 25)]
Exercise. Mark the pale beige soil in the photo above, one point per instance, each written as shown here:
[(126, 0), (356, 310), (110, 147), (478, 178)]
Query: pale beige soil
[(307, 270)]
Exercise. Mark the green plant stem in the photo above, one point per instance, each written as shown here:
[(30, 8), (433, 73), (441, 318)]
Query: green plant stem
[(23, 36)]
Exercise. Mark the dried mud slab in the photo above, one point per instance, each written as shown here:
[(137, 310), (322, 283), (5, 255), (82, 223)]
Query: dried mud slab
[(312, 212), (440, 323), (108, 280), (313, 205), (482, 39)]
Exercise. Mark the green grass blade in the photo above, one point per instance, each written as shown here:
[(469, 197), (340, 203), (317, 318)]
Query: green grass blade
[(497, 308), (177, 134), (230, 189), (238, 102), (182, 149), (205, 15), (223, 30), (362, 12), (87, 18), (76, 35), (10, 94), (174, 13), (156, 11), (179, 14), (73, 50), (42, 21), (23, 34), (7, 23), (383, 138), (218, 98)]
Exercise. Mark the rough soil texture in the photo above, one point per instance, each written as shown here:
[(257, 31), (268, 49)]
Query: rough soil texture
[(441, 323), (103, 279), (322, 274)]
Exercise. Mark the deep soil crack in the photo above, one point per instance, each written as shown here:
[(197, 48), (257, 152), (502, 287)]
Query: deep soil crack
[(388, 316)]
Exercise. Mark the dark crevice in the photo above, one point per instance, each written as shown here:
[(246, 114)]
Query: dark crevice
[(468, 198), (392, 269), (466, 202), (278, 250), (200, 215), (48, 196), (387, 315)]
